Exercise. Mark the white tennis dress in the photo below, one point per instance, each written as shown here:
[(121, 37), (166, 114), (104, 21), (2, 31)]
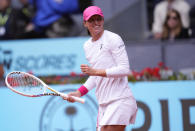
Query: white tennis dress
[(117, 105)]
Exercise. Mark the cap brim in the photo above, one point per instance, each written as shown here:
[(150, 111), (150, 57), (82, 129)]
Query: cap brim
[(93, 15)]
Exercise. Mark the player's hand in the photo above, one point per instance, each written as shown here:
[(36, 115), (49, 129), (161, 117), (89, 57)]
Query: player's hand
[(70, 99), (92, 72), (87, 69)]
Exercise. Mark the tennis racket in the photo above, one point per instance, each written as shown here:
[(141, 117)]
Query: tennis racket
[(29, 85)]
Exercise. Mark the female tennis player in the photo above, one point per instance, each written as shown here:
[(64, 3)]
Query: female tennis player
[(108, 70)]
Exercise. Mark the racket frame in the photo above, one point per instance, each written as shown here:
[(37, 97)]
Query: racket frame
[(56, 93)]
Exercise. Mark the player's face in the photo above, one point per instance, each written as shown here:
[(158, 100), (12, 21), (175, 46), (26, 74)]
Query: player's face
[(95, 25)]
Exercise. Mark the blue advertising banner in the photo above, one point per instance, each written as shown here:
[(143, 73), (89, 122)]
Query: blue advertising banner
[(43, 56), (162, 106)]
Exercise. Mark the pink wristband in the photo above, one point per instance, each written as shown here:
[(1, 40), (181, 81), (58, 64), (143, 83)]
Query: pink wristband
[(83, 90)]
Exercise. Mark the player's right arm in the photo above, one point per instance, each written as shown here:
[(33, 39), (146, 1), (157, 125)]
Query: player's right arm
[(83, 90)]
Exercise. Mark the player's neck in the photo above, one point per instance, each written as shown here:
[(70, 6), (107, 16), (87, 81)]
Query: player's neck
[(97, 36)]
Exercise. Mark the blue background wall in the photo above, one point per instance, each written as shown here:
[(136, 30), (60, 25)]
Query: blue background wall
[(44, 56), (62, 56)]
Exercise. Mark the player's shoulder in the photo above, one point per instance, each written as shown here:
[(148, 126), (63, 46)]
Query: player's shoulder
[(113, 40), (111, 35)]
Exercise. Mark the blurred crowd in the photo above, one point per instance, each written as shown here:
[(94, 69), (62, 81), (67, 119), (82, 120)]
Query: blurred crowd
[(168, 19), (39, 18)]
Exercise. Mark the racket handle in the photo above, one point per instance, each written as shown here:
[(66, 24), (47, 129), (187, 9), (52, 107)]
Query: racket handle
[(77, 99)]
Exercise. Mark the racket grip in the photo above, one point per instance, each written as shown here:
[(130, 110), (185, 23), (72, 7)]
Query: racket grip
[(77, 99)]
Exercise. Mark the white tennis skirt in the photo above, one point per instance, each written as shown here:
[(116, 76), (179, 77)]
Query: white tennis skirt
[(118, 112)]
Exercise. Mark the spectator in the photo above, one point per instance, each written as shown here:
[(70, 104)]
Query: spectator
[(6, 31), (23, 21), (52, 17), (150, 11), (12, 21), (40, 18), (173, 28), (161, 10)]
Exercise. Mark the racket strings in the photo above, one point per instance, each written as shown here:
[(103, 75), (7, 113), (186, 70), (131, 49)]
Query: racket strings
[(25, 83)]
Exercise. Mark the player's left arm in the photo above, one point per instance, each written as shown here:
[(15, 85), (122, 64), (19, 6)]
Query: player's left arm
[(118, 50)]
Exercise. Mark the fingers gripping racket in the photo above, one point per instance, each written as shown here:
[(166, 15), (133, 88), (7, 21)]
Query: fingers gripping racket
[(29, 85)]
